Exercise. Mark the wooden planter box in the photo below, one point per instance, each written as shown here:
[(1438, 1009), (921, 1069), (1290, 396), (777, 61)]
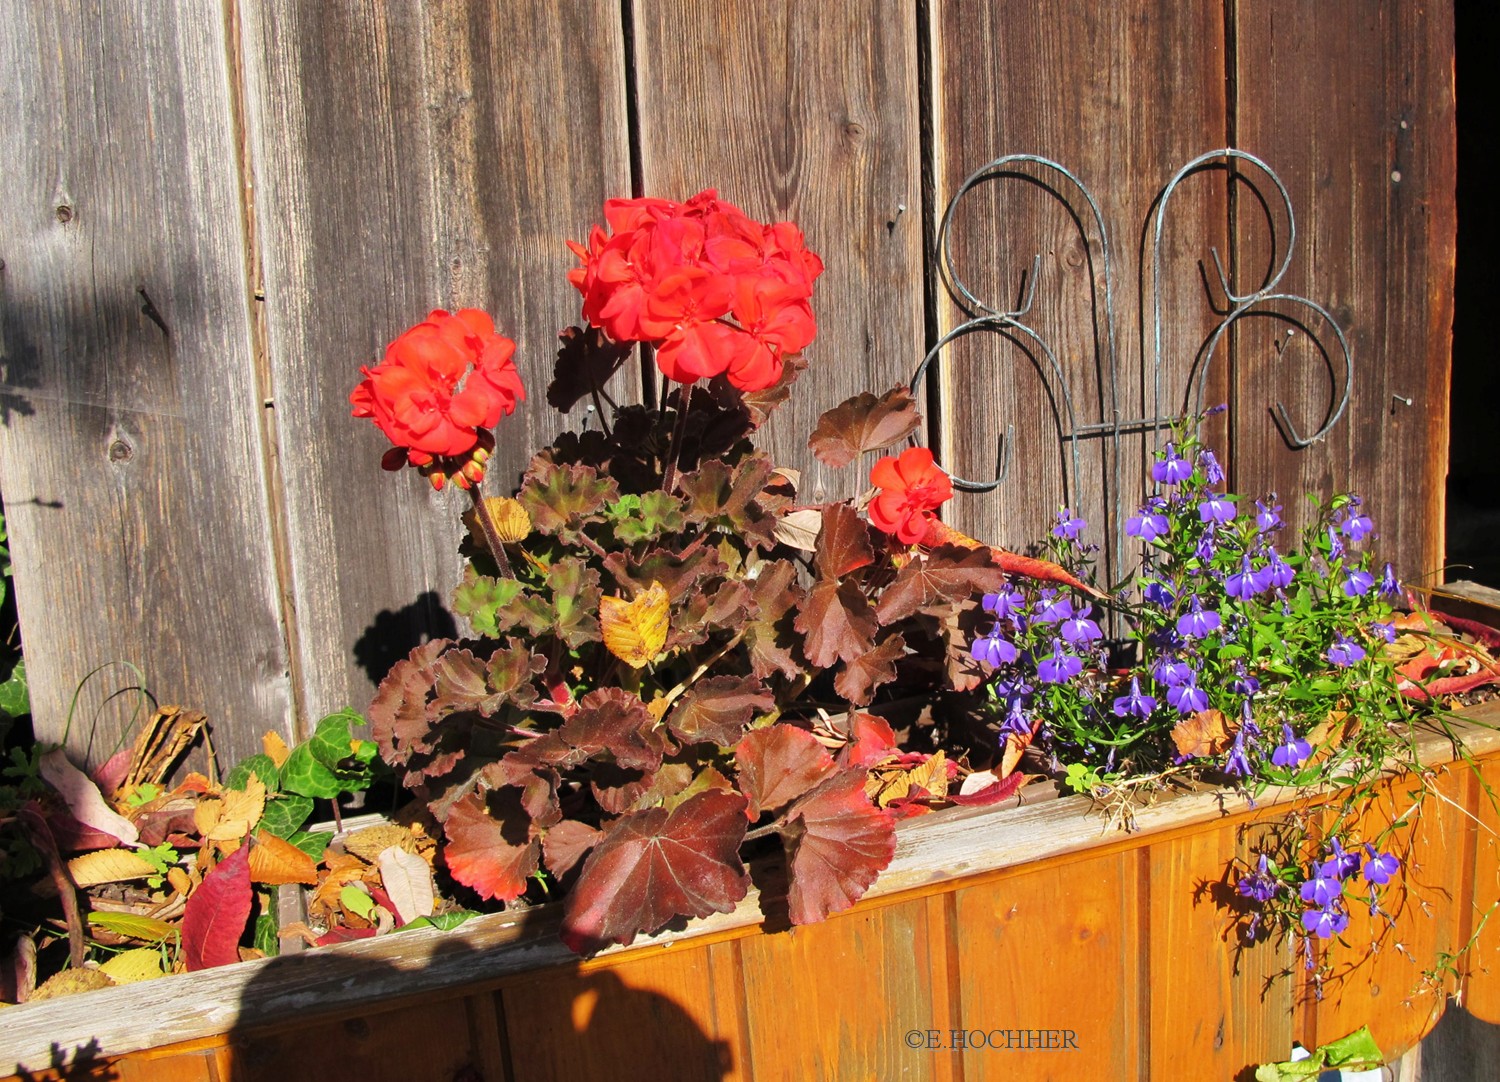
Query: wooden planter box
[(1059, 947)]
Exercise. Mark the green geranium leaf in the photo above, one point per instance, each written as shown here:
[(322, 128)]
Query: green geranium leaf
[(560, 499), (486, 602), (262, 766), (645, 517), (286, 813)]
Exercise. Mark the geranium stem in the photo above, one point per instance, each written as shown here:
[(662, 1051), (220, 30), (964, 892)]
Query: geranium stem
[(669, 474), (491, 538)]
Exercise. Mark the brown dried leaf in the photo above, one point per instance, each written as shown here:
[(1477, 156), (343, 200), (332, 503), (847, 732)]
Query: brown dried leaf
[(371, 841), (864, 423), (1203, 733), (276, 861)]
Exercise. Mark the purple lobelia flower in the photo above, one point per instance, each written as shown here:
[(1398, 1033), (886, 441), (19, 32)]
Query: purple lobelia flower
[(1278, 572), (1068, 525), (1170, 673), (1171, 468), (1385, 631), (1207, 546), (1058, 667), (1216, 508), (1197, 622), (1390, 587), (1238, 763), (1344, 860), (1213, 473), (1293, 752), (994, 650), (1358, 583), (1148, 525), (1260, 885), (1335, 544), (1051, 610), (1358, 527), (1005, 602), (1243, 683), (1159, 594), (1381, 867), (1016, 720), (1078, 628), (1345, 652), (1245, 583), (1187, 697), (1325, 885), (1325, 923), (1267, 516), (1136, 702)]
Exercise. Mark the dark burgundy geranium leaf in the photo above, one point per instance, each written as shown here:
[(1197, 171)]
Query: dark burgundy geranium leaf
[(561, 498), (586, 359), (945, 575), (843, 542), (678, 575), (838, 843), (490, 848), (871, 741), (613, 720), (344, 935), (716, 710), (619, 791), (860, 678), (565, 844), (655, 865), (760, 404), (510, 670), (217, 912), (992, 793), (399, 720), (459, 680), (770, 637), (778, 764), (537, 781), (731, 497), (725, 608), (837, 622), (864, 423)]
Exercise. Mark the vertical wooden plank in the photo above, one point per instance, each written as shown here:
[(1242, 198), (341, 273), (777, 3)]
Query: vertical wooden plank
[(487, 1029), (1352, 103), (620, 1021), (1232, 1008), (1481, 995), (1122, 95), (412, 156), (130, 453), (836, 1000), (1057, 947), (805, 112)]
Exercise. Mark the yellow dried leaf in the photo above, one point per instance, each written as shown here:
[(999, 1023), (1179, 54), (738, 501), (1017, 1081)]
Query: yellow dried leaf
[(509, 519), (930, 777), (1015, 747), (275, 748), (70, 981), (241, 810), (276, 861), (108, 866), (635, 631), (369, 843), (132, 966), (179, 880), (206, 814)]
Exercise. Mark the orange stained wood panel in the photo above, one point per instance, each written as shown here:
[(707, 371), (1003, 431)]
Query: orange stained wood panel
[(195, 1066), (1054, 948), (671, 1014), (1386, 975), (836, 1000), (1217, 1006), (1482, 964)]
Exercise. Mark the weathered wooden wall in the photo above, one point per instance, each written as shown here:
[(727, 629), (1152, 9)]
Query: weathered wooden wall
[(292, 184)]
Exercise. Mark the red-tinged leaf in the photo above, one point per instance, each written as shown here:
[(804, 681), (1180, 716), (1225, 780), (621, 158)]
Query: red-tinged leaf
[(652, 866), (716, 711), (85, 802), (860, 678), (109, 774), (760, 404), (997, 790), (560, 498), (864, 423), (679, 575), (721, 495), (945, 575), (71, 835), (769, 636), (492, 856), (613, 720), (839, 843), (566, 844), (778, 764), (343, 935), (620, 791), (871, 742), (399, 720), (586, 360), (837, 622), (843, 542), (217, 913), (939, 534)]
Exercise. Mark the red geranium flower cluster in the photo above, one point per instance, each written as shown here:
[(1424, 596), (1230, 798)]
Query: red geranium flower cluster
[(912, 486), (442, 385), (719, 293)]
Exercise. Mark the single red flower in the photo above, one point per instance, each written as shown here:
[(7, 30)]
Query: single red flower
[(442, 384), (912, 487)]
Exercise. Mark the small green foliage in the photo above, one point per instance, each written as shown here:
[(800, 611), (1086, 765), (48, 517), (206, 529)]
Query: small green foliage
[(161, 857), (15, 698), (1082, 778), (1356, 1052), (285, 813), (144, 793), (486, 602), (261, 766)]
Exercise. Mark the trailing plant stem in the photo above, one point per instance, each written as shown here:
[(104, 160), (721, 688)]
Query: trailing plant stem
[(669, 474), (491, 538)]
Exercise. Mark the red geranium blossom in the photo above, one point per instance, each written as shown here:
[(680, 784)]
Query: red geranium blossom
[(718, 292), (441, 385), (911, 487)]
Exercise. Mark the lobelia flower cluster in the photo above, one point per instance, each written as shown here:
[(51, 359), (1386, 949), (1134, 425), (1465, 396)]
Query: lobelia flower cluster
[(1243, 657)]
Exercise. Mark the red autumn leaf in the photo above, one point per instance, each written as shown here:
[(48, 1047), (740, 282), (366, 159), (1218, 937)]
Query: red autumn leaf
[(652, 866), (613, 720), (871, 741), (837, 622), (566, 844), (946, 574), (492, 856), (217, 912), (992, 793), (716, 710), (864, 423), (110, 774), (343, 935), (843, 542), (860, 678), (939, 533), (778, 764), (838, 843)]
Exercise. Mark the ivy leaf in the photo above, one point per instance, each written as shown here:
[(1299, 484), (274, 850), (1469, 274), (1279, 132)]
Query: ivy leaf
[(305, 775), (860, 677), (15, 696), (261, 766), (843, 542), (313, 843), (487, 602), (285, 814), (217, 912), (492, 854), (838, 843), (837, 622), (778, 764), (655, 865), (716, 710), (947, 574), (561, 499), (864, 423)]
